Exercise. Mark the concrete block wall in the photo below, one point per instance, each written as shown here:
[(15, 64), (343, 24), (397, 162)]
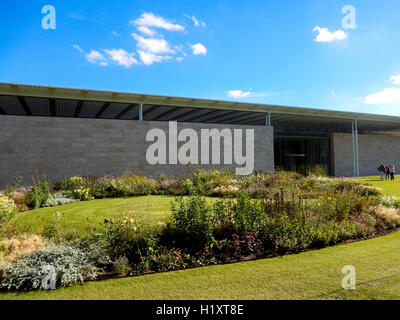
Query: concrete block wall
[(65, 147), (374, 149), (342, 154)]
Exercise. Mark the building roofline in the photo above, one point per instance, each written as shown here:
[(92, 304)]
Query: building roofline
[(131, 98)]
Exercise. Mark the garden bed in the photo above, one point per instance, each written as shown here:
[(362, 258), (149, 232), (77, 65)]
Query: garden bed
[(252, 217)]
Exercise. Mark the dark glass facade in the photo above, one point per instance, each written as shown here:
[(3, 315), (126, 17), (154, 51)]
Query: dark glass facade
[(302, 155)]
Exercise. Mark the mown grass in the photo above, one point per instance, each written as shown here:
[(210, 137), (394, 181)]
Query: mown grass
[(390, 188), (309, 275), (83, 216), (86, 215)]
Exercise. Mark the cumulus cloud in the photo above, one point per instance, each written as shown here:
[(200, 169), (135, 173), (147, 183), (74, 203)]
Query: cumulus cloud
[(148, 58), (324, 35), (96, 57), (153, 45), (150, 20), (146, 31), (388, 95), (238, 94), (121, 57), (153, 50), (198, 49)]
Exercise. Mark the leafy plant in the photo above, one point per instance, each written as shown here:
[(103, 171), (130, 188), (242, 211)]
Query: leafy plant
[(40, 194), (7, 208), (122, 266), (125, 237), (192, 219), (71, 265), (58, 199)]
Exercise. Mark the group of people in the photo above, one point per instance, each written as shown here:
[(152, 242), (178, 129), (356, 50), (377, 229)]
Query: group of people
[(386, 172)]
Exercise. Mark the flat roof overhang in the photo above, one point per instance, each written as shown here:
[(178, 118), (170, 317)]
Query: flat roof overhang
[(47, 101)]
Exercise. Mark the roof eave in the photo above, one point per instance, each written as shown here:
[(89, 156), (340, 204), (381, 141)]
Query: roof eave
[(132, 98)]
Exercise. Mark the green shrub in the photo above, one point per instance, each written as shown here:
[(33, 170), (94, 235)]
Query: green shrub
[(318, 171), (122, 266), (132, 185), (40, 194), (125, 237), (248, 213), (166, 260), (327, 233), (192, 218), (285, 234), (223, 219)]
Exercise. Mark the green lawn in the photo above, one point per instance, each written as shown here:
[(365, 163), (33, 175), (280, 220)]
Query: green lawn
[(309, 275), (391, 188), (89, 214)]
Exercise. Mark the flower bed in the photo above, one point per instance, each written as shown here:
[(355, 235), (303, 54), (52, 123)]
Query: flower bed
[(256, 216)]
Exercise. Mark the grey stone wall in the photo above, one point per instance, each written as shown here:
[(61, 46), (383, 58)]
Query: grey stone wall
[(65, 147), (373, 149), (342, 154)]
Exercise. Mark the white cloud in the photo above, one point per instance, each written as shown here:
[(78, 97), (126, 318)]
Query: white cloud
[(388, 95), (324, 35), (96, 57), (152, 45), (395, 79), (196, 22), (148, 58), (147, 31), (121, 57), (78, 48), (153, 50), (198, 48), (237, 94), (150, 20)]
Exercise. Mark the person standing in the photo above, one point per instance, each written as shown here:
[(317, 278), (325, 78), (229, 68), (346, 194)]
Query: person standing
[(381, 170), (387, 172), (392, 171)]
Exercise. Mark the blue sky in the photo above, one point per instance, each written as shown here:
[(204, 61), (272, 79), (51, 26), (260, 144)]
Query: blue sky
[(289, 52)]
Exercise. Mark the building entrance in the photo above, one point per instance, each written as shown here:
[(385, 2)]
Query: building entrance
[(302, 155)]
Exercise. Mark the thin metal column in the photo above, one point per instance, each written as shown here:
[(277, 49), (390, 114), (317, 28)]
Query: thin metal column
[(355, 148), (141, 112), (268, 119), (357, 153)]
